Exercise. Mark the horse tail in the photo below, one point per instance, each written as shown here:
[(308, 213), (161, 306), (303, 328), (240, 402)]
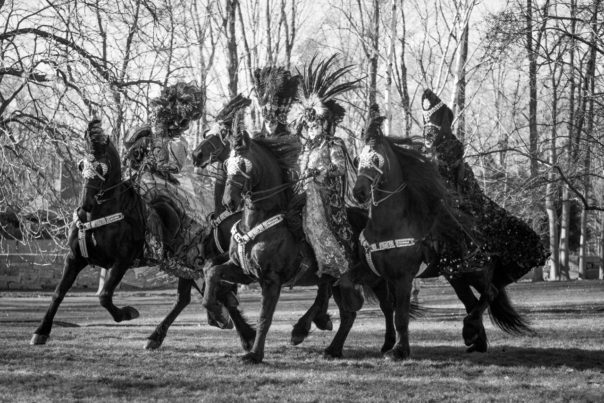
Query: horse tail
[(505, 316), (369, 294)]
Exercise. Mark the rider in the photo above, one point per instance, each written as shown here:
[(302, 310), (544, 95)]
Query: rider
[(502, 235), (276, 89), (316, 115), (158, 153), (222, 128)]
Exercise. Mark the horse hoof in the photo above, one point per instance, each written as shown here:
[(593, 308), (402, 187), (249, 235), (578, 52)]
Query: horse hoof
[(331, 354), (129, 313), (222, 321), (247, 344), (39, 339), (297, 339), (396, 354), (252, 358), (324, 323), (386, 348), (479, 346), (153, 344)]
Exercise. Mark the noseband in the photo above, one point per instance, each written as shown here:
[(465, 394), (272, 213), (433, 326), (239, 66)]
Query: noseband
[(233, 167), (216, 148), (366, 160)]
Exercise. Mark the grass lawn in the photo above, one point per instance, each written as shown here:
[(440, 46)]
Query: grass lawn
[(91, 358)]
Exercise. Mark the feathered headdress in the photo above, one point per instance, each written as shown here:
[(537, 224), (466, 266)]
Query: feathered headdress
[(318, 90), (276, 89), (231, 114), (177, 106)]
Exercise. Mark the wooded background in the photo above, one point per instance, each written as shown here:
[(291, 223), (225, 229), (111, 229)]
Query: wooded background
[(524, 79)]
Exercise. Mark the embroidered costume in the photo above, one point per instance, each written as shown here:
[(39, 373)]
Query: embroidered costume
[(498, 234), (156, 156), (316, 115)]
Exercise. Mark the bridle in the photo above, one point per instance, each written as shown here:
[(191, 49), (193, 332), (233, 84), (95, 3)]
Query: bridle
[(233, 167), (89, 172), (217, 148), (367, 160)]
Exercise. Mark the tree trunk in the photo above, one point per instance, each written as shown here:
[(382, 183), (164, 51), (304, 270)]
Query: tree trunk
[(232, 57), (373, 60), (565, 219), (532, 57), (589, 95), (459, 101), (388, 100), (404, 91)]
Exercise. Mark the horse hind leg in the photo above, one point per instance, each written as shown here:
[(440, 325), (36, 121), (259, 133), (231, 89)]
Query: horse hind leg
[(183, 299), (347, 318), (473, 331), (72, 267)]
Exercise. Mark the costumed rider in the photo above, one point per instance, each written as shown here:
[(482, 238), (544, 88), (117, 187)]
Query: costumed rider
[(498, 234), (316, 115), (222, 129), (276, 89), (156, 154)]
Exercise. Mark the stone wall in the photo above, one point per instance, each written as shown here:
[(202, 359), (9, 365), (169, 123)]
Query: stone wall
[(39, 266)]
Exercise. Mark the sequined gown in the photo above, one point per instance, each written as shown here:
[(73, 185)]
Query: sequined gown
[(170, 180), (324, 218), (501, 235)]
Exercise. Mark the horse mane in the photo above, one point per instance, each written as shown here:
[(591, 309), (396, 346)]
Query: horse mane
[(285, 149), (431, 197)]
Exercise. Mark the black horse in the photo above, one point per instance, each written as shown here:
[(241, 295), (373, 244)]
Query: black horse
[(210, 154), (410, 210), (263, 247), (110, 232)]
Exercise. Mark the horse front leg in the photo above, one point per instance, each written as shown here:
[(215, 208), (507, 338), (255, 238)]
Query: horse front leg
[(402, 286), (72, 267), (271, 290), (183, 298), (346, 321), (106, 298), (317, 313), (386, 300), (213, 293)]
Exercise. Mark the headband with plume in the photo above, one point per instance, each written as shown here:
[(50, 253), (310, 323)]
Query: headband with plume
[(318, 90)]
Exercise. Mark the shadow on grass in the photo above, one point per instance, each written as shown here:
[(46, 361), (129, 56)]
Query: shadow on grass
[(503, 356)]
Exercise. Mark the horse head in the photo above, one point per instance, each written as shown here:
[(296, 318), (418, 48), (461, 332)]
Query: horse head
[(437, 119), (215, 147), (101, 168), (372, 163)]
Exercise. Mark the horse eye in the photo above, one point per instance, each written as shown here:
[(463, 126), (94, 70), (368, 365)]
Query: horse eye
[(355, 162), (376, 160)]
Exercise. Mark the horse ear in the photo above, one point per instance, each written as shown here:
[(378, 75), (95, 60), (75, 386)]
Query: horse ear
[(447, 118)]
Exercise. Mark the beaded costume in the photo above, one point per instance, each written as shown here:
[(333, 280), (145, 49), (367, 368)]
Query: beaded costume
[(156, 156), (498, 234), (316, 115)]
